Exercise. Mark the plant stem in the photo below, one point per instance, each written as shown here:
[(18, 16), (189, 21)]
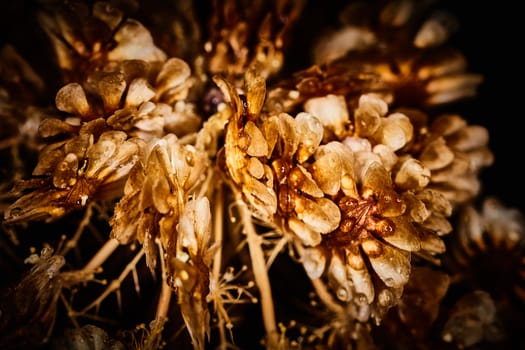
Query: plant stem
[(165, 292), (260, 273), (100, 257)]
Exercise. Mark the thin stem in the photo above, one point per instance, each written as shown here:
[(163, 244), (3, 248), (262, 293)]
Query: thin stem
[(73, 242), (325, 296), (260, 273), (321, 291), (101, 256), (115, 284), (165, 292), (218, 225)]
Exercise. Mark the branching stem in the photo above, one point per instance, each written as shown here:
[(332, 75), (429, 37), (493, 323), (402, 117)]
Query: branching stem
[(101, 256)]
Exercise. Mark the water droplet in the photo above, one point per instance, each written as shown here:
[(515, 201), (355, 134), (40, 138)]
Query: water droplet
[(343, 294), (361, 299)]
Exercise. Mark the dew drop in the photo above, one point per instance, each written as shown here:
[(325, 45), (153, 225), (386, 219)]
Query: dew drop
[(343, 294)]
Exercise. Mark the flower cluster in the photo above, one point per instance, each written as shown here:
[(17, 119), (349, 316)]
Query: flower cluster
[(179, 125)]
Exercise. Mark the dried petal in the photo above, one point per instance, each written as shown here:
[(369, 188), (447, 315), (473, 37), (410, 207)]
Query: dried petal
[(72, 99), (392, 265), (322, 215), (331, 110)]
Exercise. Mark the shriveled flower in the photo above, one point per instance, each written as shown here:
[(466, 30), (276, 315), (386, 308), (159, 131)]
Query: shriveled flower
[(87, 37), (487, 251), (157, 207), (249, 37), (29, 307), (138, 97), (180, 128), (371, 54), (473, 319), (70, 173), (191, 268), (454, 151), (155, 194), (362, 220), (399, 24)]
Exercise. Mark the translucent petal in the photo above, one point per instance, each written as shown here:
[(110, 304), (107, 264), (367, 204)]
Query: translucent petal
[(257, 144), (358, 272), (436, 154), (310, 133), (392, 265), (331, 110), (111, 88), (65, 174), (72, 99), (314, 262), (307, 236), (412, 175), (322, 215), (139, 91)]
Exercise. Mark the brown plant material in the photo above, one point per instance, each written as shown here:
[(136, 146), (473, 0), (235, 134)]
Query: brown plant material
[(29, 307), (178, 146), (233, 27), (87, 37)]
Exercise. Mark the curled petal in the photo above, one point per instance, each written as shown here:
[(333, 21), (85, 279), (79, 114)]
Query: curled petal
[(412, 175), (308, 237), (72, 99), (437, 154), (139, 91), (173, 74), (111, 88), (135, 42), (310, 133), (358, 272), (392, 265), (395, 131), (368, 115), (331, 111), (321, 215), (314, 262)]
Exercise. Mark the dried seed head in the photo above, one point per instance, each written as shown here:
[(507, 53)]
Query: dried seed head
[(76, 172)]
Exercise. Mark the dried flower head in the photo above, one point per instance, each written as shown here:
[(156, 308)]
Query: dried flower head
[(185, 147), (243, 37), (71, 173), (364, 218), (87, 37)]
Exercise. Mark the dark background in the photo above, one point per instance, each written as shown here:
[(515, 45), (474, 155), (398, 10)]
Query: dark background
[(491, 39)]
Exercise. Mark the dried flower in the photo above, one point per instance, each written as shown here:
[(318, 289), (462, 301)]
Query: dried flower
[(173, 140)]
